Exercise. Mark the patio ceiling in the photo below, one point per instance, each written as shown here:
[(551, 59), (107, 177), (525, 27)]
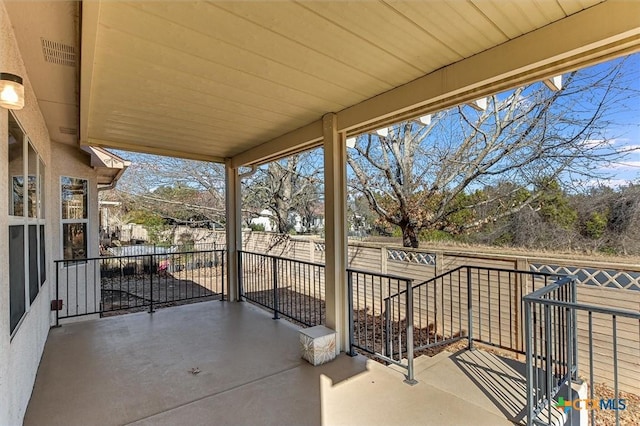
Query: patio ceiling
[(251, 80)]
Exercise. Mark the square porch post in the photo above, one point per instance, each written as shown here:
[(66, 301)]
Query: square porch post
[(233, 207), (335, 199)]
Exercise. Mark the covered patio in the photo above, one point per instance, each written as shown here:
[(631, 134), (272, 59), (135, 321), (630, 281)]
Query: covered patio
[(245, 83), (139, 369)]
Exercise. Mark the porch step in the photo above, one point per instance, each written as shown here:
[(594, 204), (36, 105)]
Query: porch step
[(482, 379), (421, 363)]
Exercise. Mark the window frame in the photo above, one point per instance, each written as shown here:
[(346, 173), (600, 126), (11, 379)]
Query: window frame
[(26, 222), (85, 220)]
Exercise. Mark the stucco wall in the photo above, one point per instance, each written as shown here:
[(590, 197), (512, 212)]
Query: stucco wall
[(71, 162), (20, 355)]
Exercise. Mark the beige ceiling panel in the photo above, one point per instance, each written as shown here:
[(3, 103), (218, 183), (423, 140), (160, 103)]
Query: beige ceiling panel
[(378, 23), (143, 138), (227, 28), (167, 93), (509, 17), (544, 11), (171, 37), (187, 66), (155, 76), (572, 6), (167, 137), (465, 34), (190, 117), (515, 18), (145, 116), (252, 128), (166, 129), (171, 127), (297, 22)]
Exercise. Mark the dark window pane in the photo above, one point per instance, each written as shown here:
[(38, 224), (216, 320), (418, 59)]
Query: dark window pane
[(74, 198), (34, 285), (16, 275), (43, 257), (74, 236)]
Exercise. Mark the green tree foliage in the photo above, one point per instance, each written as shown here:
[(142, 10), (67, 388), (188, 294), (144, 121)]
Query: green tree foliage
[(553, 204), (152, 222), (596, 225)]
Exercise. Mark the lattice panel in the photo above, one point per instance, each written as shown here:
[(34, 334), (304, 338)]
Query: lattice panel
[(421, 258), (609, 278), (320, 247)]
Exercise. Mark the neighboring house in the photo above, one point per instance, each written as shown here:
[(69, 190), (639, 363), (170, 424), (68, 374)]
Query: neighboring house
[(49, 189), (315, 219), (109, 225), (266, 220)]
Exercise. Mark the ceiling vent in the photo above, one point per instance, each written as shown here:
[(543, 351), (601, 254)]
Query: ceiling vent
[(58, 53), (68, 130)]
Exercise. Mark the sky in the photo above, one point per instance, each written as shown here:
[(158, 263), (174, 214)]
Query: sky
[(627, 133)]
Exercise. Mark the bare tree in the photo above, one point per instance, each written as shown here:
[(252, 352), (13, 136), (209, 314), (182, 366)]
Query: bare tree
[(431, 176), (182, 191), (285, 187)]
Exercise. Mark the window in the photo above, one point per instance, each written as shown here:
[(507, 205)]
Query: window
[(27, 253), (74, 198)]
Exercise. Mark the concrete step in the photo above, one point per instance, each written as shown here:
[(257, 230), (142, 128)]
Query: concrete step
[(482, 379), (421, 363)]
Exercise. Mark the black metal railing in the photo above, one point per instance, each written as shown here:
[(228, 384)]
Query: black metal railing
[(379, 324), (553, 318), (106, 284), (143, 249), (292, 288), (480, 304)]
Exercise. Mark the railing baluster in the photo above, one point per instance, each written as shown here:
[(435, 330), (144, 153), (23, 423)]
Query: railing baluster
[(547, 336), (615, 368), (150, 284), (570, 361), (532, 395), (499, 311), (409, 315), (469, 308), (351, 350), (57, 294), (592, 414), (274, 267)]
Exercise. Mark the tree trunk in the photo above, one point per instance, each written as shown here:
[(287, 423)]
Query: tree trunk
[(409, 236)]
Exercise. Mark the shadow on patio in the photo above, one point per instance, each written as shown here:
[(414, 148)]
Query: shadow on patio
[(137, 369)]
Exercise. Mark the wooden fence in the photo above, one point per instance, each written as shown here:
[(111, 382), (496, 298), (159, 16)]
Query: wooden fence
[(615, 285)]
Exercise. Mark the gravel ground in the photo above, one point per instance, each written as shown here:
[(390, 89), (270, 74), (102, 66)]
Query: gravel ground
[(628, 417), (123, 293)]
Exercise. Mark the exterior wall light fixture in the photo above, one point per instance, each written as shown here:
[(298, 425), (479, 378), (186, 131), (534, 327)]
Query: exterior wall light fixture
[(11, 91)]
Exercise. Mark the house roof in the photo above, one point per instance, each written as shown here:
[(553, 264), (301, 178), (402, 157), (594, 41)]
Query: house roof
[(251, 81), (110, 167)]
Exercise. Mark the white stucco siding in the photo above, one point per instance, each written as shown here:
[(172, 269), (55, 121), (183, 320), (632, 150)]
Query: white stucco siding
[(83, 294), (20, 355)]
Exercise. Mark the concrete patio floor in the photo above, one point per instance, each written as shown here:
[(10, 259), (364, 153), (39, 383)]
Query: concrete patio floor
[(136, 369)]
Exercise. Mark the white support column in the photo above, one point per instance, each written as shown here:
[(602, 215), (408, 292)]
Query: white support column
[(335, 202), (233, 228)]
